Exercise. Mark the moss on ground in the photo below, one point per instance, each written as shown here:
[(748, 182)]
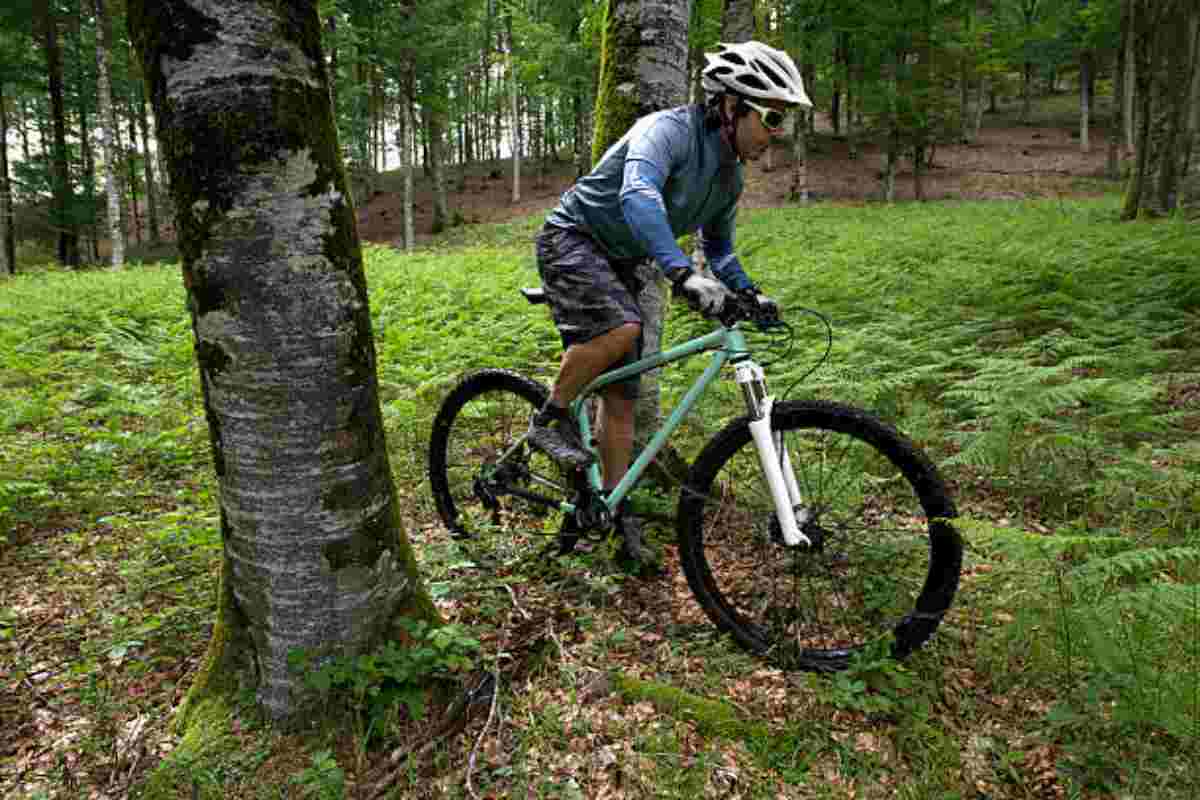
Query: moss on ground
[(711, 717)]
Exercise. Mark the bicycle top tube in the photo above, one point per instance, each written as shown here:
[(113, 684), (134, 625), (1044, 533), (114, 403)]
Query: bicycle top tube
[(730, 340)]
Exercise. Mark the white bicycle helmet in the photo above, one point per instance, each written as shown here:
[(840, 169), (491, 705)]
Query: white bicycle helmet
[(753, 69)]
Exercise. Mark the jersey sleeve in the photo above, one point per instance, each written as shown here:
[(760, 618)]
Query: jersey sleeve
[(717, 242), (652, 155)]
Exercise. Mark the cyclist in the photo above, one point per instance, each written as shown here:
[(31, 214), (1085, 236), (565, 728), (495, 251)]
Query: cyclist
[(674, 172)]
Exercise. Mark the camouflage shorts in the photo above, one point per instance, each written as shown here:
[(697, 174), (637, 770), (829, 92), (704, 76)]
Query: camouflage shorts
[(589, 294)]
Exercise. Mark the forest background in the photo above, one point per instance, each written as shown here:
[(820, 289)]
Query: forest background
[(1068, 437), (450, 87)]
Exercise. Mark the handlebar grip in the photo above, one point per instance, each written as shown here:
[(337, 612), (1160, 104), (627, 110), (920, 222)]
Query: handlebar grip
[(739, 308)]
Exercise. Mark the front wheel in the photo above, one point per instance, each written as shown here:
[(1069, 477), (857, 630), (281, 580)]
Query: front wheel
[(885, 558)]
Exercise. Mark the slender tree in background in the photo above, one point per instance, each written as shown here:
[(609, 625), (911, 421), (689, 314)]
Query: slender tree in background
[(643, 68), (8, 254), (60, 172), (85, 102), (737, 21), (12, 55), (315, 555), (113, 191), (152, 225), (514, 108), (1116, 129), (135, 207), (1086, 85), (1128, 108)]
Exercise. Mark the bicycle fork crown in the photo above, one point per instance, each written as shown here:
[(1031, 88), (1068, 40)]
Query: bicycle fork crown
[(754, 388)]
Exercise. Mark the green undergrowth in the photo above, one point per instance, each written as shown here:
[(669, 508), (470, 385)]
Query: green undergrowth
[(1043, 354)]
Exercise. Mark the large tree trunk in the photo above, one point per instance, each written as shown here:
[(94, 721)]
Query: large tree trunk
[(1140, 41), (8, 250), (113, 190), (643, 68), (315, 554), (1173, 95), (1161, 50), (62, 194)]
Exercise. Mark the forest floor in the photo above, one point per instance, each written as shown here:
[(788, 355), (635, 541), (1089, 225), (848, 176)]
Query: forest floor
[(1009, 160)]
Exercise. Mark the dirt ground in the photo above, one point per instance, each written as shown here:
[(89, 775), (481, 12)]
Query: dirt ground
[(1008, 161)]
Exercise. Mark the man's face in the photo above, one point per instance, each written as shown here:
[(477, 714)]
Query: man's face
[(753, 137)]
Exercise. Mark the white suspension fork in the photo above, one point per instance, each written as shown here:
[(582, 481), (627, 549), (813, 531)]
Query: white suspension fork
[(772, 455)]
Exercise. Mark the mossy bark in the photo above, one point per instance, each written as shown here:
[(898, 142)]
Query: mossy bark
[(315, 553)]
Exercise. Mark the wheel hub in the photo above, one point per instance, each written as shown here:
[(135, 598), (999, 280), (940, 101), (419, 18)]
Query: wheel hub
[(817, 535)]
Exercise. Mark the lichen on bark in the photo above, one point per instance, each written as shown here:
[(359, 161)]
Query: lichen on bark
[(315, 553)]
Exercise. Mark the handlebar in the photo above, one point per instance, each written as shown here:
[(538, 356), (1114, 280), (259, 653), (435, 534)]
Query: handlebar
[(742, 307), (745, 308)]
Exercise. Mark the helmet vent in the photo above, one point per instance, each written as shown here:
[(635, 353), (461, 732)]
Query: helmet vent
[(773, 75), (734, 57), (754, 82)]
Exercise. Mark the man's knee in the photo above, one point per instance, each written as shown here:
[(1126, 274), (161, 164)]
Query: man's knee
[(629, 332)]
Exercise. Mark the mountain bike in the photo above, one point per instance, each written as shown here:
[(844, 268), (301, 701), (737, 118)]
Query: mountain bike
[(807, 530)]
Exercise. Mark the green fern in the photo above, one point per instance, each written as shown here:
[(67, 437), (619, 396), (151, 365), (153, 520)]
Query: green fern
[(1138, 564), (1142, 648)]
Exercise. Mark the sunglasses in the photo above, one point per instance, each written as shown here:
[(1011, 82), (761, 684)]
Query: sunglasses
[(771, 117)]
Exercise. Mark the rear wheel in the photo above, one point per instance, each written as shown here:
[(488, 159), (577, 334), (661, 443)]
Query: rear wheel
[(885, 559), (481, 472)]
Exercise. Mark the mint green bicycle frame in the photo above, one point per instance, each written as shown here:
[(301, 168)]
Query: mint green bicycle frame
[(729, 346)]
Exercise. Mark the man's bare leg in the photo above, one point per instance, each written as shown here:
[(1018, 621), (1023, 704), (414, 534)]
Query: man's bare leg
[(582, 362), (615, 438), (614, 434)]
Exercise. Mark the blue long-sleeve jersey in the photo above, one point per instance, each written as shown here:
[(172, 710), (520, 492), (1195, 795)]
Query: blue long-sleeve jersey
[(668, 176)]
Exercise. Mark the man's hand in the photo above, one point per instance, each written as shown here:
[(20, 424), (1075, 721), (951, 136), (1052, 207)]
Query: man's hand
[(767, 307), (703, 294)]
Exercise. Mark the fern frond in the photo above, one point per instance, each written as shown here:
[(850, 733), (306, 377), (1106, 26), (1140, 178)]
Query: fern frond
[(1134, 564), (1170, 604)]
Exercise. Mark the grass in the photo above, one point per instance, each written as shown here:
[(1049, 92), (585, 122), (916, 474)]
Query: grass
[(1045, 355)]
